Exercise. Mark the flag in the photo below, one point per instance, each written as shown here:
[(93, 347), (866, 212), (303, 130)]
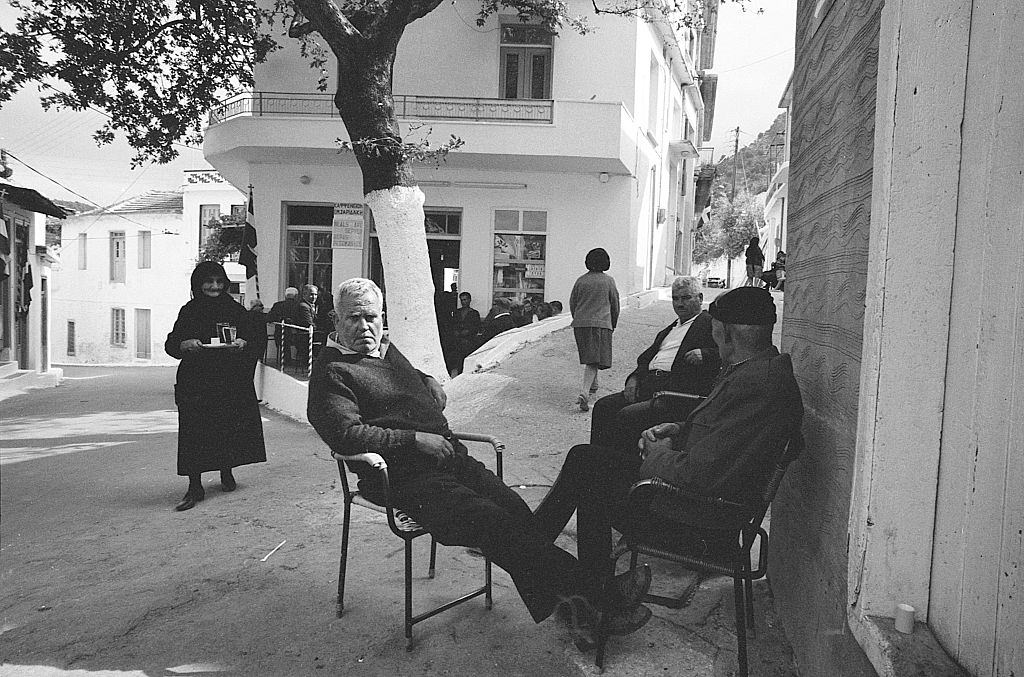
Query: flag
[(247, 255)]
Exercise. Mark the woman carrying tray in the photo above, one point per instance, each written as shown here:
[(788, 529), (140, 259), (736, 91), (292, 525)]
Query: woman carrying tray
[(219, 425)]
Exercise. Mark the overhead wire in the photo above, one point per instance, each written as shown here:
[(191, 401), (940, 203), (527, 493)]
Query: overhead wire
[(73, 192)]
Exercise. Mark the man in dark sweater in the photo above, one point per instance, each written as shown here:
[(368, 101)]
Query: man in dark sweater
[(365, 396)]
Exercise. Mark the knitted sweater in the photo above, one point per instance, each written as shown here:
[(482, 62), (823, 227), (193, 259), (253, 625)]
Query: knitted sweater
[(594, 301), (363, 404)]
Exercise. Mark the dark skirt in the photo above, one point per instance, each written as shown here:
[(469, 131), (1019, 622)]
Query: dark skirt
[(219, 427), (594, 345)]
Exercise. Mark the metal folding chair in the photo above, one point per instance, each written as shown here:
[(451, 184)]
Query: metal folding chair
[(408, 530), (714, 515)]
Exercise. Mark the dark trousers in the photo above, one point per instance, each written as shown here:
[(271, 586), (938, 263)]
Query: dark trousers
[(617, 424), (593, 482), (466, 504)]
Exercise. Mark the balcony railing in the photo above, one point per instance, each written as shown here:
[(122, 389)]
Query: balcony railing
[(406, 107)]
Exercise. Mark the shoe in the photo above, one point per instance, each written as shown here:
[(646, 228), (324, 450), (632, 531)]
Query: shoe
[(192, 496), (227, 481), (626, 622), (627, 590), (582, 401)]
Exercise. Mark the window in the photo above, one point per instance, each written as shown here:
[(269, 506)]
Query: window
[(143, 344), (71, 338), (118, 331), (525, 70), (308, 245), (238, 213), (653, 95), (145, 249), (520, 251), (83, 242), (207, 213), (117, 256)]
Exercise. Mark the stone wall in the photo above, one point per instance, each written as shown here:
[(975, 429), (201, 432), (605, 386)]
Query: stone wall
[(829, 214)]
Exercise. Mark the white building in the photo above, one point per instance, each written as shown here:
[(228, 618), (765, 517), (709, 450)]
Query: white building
[(773, 233), (25, 274), (125, 271), (571, 142)]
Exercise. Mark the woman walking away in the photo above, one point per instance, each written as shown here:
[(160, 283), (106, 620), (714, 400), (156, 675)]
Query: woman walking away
[(219, 426), (755, 263), (594, 305)]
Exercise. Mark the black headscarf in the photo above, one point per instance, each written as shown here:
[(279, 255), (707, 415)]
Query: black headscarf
[(203, 271)]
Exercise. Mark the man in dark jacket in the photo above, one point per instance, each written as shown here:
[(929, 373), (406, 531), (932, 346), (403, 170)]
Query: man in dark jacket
[(727, 446), (365, 397), (683, 358), (291, 311)]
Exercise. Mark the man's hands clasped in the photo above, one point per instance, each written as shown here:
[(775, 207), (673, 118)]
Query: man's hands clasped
[(657, 437)]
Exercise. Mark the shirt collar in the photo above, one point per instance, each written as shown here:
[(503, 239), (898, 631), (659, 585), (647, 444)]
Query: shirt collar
[(381, 350)]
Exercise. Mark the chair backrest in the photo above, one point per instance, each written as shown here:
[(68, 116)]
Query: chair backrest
[(793, 449)]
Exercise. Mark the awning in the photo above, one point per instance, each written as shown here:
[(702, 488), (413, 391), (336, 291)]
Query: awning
[(30, 200)]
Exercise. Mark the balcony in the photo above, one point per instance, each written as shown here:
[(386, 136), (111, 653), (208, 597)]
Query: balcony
[(499, 134), (407, 107)]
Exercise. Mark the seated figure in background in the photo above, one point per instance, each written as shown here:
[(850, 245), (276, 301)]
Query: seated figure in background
[(683, 358), (727, 447)]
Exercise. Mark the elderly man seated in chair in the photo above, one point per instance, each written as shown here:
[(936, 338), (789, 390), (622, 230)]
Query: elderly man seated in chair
[(726, 447), (365, 396), (683, 358)]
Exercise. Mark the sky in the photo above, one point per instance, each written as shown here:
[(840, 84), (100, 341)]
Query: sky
[(753, 59)]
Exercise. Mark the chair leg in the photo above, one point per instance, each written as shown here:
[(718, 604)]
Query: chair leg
[(741, 630), (748, 586), (488, 599), (602, 640), (408, 594), (343, 562), (433, 558)]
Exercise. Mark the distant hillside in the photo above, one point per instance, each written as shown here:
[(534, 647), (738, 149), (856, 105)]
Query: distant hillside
[(753, 171)]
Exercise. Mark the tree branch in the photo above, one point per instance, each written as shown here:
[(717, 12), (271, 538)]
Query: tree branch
[(120, 54), (328, 20)]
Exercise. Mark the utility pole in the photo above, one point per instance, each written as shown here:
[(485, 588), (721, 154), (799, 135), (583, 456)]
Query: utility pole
[(735, 158), (732, 199)]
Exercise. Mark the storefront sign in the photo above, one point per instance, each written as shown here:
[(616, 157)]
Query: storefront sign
[(347, 227), (534, 270)]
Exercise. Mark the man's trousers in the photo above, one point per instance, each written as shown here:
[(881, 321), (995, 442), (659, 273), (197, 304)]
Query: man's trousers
[(463, 503)]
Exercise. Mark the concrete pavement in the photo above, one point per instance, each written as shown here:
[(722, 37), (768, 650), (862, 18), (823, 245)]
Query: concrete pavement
[(99, 576)]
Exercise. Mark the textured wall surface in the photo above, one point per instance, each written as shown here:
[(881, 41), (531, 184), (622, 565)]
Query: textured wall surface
[(830, 205)]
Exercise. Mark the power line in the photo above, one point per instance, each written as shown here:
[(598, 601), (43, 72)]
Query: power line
[(752, 63), (75, 193)]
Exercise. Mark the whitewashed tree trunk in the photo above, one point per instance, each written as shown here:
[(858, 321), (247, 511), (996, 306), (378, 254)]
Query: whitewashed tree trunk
[(412, 323)]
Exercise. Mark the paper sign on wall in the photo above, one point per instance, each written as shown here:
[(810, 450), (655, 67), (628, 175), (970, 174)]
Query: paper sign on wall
[(347, 226), (534, 270)]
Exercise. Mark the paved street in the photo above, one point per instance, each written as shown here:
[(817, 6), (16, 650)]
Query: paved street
[(98, 575)]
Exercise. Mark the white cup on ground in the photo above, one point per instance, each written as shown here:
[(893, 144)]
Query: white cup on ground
[(904, 620)]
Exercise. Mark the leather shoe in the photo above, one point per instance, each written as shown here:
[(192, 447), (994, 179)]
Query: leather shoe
[(625, 622), (191, 498), (227, 481), (628, 589)]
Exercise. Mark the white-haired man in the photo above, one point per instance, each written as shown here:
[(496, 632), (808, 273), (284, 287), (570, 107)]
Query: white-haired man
[(365, 396), (682, 358)]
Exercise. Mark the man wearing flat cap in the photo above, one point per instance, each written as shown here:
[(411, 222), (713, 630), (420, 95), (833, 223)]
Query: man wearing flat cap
[(726, 447)]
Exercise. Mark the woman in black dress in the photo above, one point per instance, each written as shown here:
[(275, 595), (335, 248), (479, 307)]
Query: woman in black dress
[(219, 424), (755, 263)]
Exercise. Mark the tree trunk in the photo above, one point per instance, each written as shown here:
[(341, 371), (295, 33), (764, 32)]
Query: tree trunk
[(366, 106)]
